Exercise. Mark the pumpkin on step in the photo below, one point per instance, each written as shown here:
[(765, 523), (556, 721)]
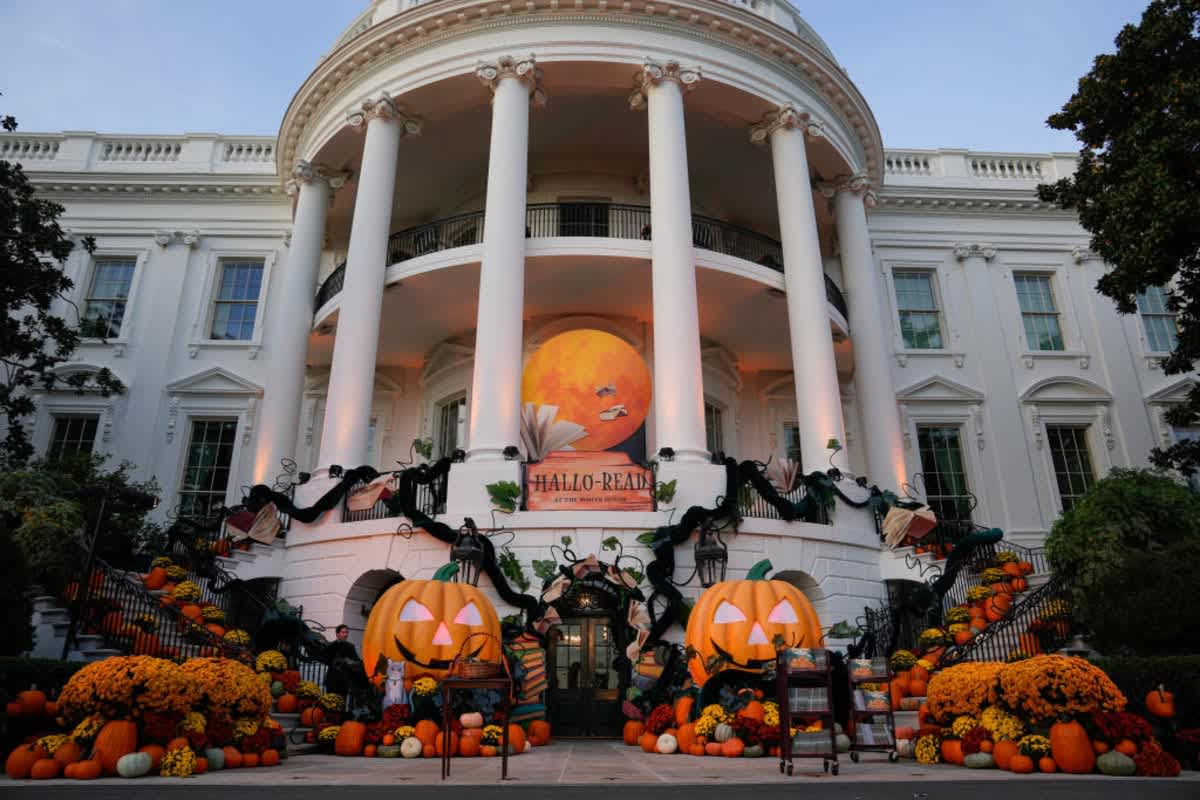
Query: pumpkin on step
[(22, 759), (33, 702), (349, 741), (117, 738), (45, 769), (1071, 748), (1160, 703), (134, 765), (1021, 764), (632, 732), (311, 717), (539, 732)]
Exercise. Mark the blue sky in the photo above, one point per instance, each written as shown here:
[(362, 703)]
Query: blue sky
[(980, 74)]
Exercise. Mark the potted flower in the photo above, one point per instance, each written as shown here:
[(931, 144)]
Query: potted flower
[(664, 494)]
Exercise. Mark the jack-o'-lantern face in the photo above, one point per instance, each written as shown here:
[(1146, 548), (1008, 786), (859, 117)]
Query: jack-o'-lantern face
[(741, 621), (426, 623)]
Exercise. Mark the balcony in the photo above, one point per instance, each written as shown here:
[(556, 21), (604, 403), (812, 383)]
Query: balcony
[(604, 220)]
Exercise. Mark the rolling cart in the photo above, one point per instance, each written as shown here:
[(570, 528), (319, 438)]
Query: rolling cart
[(804, 691), (874, 722)]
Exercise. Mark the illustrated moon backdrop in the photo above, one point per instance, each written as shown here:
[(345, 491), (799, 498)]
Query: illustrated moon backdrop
[(572, 371)]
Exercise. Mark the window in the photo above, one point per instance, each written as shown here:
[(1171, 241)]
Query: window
[(791, 441), (1157, 320), (206, 476), (1072, 462), (583, 219), (104, 307), (73, 435), (946, 487), (452, 420), (714, 438), (920, 324), (1038, 312), (236, 304)]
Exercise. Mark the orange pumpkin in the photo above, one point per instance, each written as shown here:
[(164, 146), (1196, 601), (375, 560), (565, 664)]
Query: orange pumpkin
[(270, 757), (686, 737), (1071, 748), (648, 741), (215, 629), (51, 709), (1046, 764), (156, 751), (22, 759), (250, 759), (369, 751), (539, 733), (233, 757), (918, 688), (428, 751), (683, 708), (1160, 703), (438, 744), (68, 752), (738, 622), (1022, 765), (311, 717), (33, 702), (388, 739), (45, 769), (897, 695), (1100, 747), (1127, 747), (427, 731), (201, 766), (117, 738), (978, 623), (155, 579), (632, 732), (86, 770), (901, 680), (12, 709), (178, 743), (713, 749), (1003, 753), (1018, 584), (696, 750), (733, 747), (488, 750), (516, 738), (754, 710), (191, 611), (986, 746), (906, 732), (962, 637), (349, 741), (426, 623), (1012, 569), (952, 751), (468, 746), (287, 704), (917, 673)]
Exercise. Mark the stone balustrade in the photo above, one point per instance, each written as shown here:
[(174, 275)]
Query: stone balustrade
[(193, 153), (967, 169)]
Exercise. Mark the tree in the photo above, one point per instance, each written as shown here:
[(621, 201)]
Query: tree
[(1128, 550), (1137, 188), (33, 340)]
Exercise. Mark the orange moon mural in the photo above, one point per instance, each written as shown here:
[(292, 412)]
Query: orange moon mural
[(596, 379)]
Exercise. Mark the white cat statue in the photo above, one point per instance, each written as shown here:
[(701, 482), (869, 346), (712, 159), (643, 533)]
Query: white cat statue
[(394, 693)]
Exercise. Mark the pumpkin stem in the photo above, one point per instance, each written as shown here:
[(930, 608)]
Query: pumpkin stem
[(446, 572), (759, 571)]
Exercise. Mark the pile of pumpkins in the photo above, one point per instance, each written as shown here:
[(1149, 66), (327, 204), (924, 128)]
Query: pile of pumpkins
[(428, 741), (115, 752), (31, 704)]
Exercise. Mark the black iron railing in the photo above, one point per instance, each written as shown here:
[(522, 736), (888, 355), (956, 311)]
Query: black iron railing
[(752, 504), (1039, 623), (606, 220), (431, 499)]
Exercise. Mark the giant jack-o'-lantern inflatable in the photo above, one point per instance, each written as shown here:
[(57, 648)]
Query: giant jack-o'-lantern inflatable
[(426, 622), (740, 622)]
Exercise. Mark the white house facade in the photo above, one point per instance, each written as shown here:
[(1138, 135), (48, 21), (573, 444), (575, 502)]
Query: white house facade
[(460, 181)]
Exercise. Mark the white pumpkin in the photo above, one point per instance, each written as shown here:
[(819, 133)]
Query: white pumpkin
[(216, 758), (411, 747), (528, 747), (666, 744), (134, 765), (723, 732), (471, 719)]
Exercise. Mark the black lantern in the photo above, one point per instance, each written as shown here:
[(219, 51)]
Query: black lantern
[(512, 453), (467, 552), (711, 556)]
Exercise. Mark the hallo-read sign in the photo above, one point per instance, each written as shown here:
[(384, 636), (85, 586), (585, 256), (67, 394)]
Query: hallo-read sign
[(604, 481)]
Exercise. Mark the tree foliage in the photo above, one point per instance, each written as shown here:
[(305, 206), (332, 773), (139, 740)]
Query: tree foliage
[(33, 340), (1137, 187), (1129, 550)]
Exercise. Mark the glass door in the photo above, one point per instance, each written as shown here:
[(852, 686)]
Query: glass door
[(584, 687)]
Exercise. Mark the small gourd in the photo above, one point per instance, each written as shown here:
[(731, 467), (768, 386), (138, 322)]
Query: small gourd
[(134, 765), (753, 751), (472, 719), (411, 747), (666, 744), (842, 742), (1114, 763), (276, 688), (390, 750), (216, 758), (723, 732), (980, 761)]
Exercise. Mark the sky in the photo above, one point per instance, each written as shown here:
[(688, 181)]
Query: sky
[(976, 74)]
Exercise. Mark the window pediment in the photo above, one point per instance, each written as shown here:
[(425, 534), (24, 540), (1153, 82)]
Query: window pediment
[(1176, 392), (939, 390), (1066, 390), (214, 381)]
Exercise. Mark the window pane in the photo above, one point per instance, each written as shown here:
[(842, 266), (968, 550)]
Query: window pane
[(236, 304), (104, 306), (1157, 320), (206, 473), (791, 440), (946, 486), (713, 438), (920, 325), (1072, 462), (72, 436), (451, 417)]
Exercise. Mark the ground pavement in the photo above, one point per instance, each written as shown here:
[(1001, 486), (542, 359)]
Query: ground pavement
[(582, 770)]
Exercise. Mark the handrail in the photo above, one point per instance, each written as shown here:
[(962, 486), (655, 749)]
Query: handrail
[(1023, 626), (603, 220)]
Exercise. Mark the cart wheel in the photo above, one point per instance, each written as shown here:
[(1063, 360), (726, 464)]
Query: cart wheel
[(781, 767), (893, 756), (789, 769), (854, 757), (826, 764), (835, 768)]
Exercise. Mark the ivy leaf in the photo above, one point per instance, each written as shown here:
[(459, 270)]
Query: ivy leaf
[(566, 541), (545, 569), (649, 538), (611, 543), (503, 495)]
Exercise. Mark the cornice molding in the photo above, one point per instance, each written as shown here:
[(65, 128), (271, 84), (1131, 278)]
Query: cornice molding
[(958, 200), (139, 187), (710, 20)]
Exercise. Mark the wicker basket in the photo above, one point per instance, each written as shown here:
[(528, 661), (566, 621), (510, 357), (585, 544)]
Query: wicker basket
[(463, 666)]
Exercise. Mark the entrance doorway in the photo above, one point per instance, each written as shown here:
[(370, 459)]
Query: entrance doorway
[(584, 681)]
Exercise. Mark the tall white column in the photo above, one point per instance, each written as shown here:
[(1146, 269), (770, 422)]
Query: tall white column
[(291, 318), (818, 403), (352, 377), (495, 413), (678, 375), (872, 371)]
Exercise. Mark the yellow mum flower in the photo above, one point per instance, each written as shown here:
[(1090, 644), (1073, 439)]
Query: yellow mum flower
[(178, 763)]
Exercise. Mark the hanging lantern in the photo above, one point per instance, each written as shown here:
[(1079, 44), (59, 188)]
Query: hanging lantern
[(467, 552), (711, 556)]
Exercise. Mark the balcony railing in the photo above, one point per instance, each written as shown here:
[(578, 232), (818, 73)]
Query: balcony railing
[(431, 499), (603, 220)]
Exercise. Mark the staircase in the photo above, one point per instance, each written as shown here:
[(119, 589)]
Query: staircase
[(1038, 623)]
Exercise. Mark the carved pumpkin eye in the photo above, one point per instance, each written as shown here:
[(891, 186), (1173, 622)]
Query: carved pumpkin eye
[(783, 613), (728, 612), (415, 612), (468, 615)]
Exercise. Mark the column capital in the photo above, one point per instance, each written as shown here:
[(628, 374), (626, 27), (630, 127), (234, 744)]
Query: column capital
[(786, 117), (653, 73), (384, 107), (974, 250), (525, 70), (858, 185), (305, 172)]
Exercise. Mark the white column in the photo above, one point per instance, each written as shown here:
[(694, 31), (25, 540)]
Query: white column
[(352, 377), (872, 371), (495, 413), (818, 403), (291, 319), (678, 375)]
